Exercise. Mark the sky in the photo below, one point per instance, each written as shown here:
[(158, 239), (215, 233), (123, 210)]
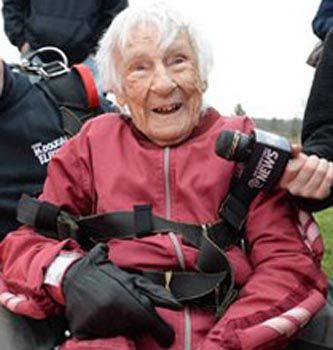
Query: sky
[(260, 48)]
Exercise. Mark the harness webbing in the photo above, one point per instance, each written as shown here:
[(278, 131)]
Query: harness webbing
[(211, 291), (89, 84), (72, 91), (212, 286), (75, 95), (120, 224)]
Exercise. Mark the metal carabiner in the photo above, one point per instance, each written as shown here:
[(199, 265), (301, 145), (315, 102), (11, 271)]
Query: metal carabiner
[(33, 63)]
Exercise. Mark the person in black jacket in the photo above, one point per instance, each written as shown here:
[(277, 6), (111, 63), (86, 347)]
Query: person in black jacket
[(321, 24), (323, 20), (73, 26), (314, 188), (34, 125)]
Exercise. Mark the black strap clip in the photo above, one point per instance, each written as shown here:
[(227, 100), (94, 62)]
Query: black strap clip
[(67, 227)]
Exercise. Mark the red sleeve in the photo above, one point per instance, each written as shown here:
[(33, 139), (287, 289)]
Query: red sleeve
[(285, 290), (24, 254)]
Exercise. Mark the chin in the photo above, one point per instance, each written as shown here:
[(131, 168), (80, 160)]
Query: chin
[(168, 141), (169, 136)]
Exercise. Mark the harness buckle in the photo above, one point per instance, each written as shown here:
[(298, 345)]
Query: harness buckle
[(67, 227), (167, 279), (52, 69), (204, 229), (34, 64)]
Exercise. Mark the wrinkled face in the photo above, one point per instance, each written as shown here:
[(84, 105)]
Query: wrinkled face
[(161, 87)]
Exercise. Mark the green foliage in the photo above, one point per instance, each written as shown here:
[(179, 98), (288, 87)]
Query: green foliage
[(290, 128), (325, 221)]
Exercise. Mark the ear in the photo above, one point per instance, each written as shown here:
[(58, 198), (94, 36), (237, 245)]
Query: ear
[(120, 98)]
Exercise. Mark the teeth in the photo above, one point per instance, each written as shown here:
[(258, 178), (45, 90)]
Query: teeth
[(168, 109)]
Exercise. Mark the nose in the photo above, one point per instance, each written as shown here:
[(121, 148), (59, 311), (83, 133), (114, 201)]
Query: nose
[(162, 83)]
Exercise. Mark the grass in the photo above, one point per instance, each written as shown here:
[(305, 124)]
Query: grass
[(325, 220)]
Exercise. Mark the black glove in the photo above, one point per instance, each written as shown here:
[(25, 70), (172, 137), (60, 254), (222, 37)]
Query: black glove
[(104, 301)]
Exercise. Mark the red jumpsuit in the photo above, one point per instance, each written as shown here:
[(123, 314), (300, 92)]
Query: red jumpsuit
[(109, 167)]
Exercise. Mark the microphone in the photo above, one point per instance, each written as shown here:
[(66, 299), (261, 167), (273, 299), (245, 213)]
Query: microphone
[(265, 156), (234, 145)]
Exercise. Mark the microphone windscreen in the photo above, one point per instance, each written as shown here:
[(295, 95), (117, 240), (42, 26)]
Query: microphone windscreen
[(226, 144)]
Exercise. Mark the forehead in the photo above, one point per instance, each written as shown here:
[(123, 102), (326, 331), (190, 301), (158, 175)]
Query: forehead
[(147, 38)]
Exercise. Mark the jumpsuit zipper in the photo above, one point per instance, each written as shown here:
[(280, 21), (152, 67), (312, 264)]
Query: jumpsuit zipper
[(174, 240)]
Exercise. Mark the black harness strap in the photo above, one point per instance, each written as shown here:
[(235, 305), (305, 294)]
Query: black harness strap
[(204, 290), (143, 223), (211, 287), (76, 100), (210, 240), (181, 282), (71, 123), (123, 225), (38, 214), (73, 91)]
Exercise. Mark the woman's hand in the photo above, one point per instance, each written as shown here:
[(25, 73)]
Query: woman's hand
[(308, 176)]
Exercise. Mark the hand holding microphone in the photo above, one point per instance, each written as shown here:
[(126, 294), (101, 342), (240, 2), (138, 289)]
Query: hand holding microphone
[(308, 176), (264, 154), (300, 174)]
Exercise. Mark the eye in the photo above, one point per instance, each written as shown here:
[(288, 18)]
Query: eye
[(176, 60), (138, 67), (141, 67)]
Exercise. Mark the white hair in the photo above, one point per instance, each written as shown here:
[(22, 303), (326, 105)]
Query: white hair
[(169, 23)]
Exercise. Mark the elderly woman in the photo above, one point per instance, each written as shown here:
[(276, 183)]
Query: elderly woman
[(158, 159)]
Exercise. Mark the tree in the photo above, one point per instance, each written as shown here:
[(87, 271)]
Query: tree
[(239, 110)]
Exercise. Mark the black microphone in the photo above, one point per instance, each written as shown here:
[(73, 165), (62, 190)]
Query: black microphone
[(234, 145), (265, 155)]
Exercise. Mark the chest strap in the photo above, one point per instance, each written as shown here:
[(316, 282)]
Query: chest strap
[(121, 225), (210, 291), (210, 287)]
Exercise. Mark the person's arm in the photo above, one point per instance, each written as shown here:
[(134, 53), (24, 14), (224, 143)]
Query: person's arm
[(317, 129), (309, 179), (14, 14), (323, 20), (308, 176), (317, 140), (109, 9), (12, 87), (25, 255), (285, 289), (2, 77)]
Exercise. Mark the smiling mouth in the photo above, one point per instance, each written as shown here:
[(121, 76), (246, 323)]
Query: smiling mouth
[(168, 109)]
